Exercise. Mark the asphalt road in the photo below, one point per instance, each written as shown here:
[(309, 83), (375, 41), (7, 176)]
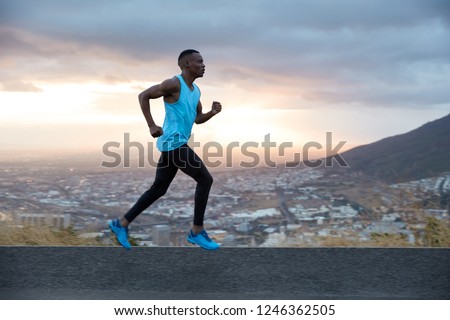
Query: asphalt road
[(229, 273)]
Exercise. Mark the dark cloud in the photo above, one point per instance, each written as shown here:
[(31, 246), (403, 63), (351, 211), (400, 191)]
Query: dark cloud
[(373, 52)]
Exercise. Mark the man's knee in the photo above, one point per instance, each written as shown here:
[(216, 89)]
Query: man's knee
[(204, 178), (159, 188), (208, 179)]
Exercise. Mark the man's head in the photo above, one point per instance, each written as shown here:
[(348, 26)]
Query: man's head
[(191, 60)]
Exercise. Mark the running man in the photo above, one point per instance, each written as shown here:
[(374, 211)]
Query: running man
[(183, 108)]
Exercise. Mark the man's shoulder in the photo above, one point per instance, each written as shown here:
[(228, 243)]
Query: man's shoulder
[(174, 81), (172, 84)]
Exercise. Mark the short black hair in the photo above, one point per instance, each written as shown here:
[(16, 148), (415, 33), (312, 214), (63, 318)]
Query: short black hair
[(185, 53)]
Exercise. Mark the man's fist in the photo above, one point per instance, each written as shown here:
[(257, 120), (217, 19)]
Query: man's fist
[(216, 107), (156, 131)]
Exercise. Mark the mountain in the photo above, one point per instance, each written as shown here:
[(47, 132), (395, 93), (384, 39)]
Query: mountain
[(420, 153)]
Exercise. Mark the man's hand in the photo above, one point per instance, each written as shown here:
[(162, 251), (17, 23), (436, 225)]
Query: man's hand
[(216, 107), (156, 131), (203, 117)]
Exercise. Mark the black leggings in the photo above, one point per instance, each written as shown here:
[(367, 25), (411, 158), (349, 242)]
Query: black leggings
[(185, 159)]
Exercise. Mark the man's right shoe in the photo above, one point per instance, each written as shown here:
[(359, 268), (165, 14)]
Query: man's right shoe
[(120, 232), (203, 240)]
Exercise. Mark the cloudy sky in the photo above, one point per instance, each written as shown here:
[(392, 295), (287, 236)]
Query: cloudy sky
[(70, 71)]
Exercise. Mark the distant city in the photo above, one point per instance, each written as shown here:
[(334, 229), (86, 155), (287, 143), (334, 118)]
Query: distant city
[(266, 207)]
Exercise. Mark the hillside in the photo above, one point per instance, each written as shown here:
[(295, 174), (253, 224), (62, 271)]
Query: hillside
[(420, 153)]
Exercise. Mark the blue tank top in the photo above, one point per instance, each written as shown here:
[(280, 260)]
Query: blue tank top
[(179, 118)]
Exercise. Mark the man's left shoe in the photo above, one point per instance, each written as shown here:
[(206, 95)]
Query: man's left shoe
[(203, 240), (120, 232)]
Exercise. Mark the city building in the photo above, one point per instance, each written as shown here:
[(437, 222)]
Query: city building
[(161, 235), (54, 220)]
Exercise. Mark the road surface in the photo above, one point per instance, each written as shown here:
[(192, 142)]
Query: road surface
[(229, 273)]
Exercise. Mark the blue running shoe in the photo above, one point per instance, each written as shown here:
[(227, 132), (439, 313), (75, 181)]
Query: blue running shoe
[(121, 233), (203, 240)]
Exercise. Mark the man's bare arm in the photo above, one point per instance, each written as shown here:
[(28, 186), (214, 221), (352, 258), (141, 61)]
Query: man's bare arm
[(203, 117), (166, 89)]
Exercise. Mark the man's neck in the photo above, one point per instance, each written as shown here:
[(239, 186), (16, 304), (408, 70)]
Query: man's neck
[(189, 79)]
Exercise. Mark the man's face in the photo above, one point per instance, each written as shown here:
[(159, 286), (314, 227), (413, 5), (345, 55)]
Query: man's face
[(196, 64)]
